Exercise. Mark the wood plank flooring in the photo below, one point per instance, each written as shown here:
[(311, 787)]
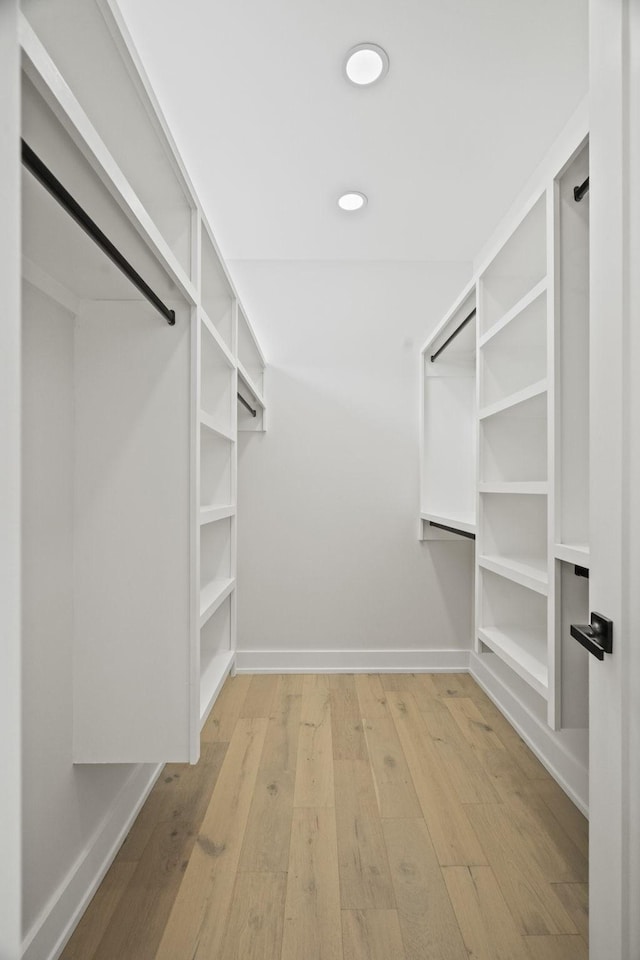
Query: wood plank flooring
[(342, 817)]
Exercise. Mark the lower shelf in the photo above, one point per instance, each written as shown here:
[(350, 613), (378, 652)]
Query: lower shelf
[(212, 595), (452, 523), (515, 648), (212, 676), (576, 553), (529, 575)]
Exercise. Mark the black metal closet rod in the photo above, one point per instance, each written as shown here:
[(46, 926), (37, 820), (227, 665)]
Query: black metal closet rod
[(453, 335), (461, 533), (41, 172), (244, 403), (579, 192)]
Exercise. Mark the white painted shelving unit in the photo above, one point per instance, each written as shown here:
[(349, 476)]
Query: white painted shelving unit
[(504, 440), (129, 424), (447, 425)]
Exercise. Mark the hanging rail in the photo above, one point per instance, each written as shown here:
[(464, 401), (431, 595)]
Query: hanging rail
[(453, 335), (244, 403), (579, 192), (461, 533), (34, 165)]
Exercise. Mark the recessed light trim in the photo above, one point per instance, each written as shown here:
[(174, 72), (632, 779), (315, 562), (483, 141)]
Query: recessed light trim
[(365, 64), (352, 201)]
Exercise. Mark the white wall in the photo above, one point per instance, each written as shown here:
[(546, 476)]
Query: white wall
[(328, 498)]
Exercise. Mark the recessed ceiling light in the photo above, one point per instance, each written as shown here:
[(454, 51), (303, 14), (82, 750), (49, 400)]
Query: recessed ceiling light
[(352, 201), (366, 63)]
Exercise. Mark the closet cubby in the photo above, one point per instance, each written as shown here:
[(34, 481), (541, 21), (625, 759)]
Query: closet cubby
[(514, 358), (216, 565), (513, 443), (217, 401), (509, 281), (217, 297), (448, 418), (122, 118), (215, 655), (513, 624), (216, 471), (513, 536)]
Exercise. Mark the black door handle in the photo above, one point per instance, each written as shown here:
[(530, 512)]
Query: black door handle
[(596, 637)]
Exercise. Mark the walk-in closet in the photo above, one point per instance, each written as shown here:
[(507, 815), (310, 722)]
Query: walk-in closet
[(319, 495)]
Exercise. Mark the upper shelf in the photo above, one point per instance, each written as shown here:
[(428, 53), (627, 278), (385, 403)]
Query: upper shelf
[(56, 244), (454, 339), (97, 47)]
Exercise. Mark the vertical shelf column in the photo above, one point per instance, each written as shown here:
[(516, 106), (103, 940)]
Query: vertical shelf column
[(514, 589)]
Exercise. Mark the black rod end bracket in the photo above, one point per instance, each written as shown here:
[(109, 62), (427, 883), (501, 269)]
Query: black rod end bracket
[(171, 319)]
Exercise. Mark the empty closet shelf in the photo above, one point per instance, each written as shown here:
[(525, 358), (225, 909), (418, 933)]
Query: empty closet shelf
[(514, 399), (526, 574), (536, 487), (212, 595), (453, 523), (210, 423), (513, 645), (211, 514), (576, 553), (515, 311)]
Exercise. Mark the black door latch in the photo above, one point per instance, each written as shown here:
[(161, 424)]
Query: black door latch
[(597, 637)]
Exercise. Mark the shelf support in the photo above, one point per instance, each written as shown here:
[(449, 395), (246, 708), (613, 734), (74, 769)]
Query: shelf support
[(41, 172)]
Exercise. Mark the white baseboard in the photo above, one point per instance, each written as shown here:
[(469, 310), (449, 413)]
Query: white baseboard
[(49, 934), (352, 661), (564, 767)]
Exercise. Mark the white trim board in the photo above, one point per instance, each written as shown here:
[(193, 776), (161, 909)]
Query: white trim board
[(352, 661), (569, 773), (48, 936)]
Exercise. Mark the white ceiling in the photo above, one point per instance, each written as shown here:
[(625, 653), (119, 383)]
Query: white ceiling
[(271, 132)]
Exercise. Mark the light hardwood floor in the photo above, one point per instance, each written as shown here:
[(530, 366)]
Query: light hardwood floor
[(342, 817)]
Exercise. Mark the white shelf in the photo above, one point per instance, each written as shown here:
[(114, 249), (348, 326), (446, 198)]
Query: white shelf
[(511, 647), (212, 677), (534, 487), (244, 378), (211, 514), (514, 312), (458, 311), (212, 595), (526, 574), (576, 553), (468, 526), (211, 424), (208, 325), (45, 76), (507, 403)]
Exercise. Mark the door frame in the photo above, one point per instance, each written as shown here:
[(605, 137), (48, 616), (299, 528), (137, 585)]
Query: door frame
[(614, 721)]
